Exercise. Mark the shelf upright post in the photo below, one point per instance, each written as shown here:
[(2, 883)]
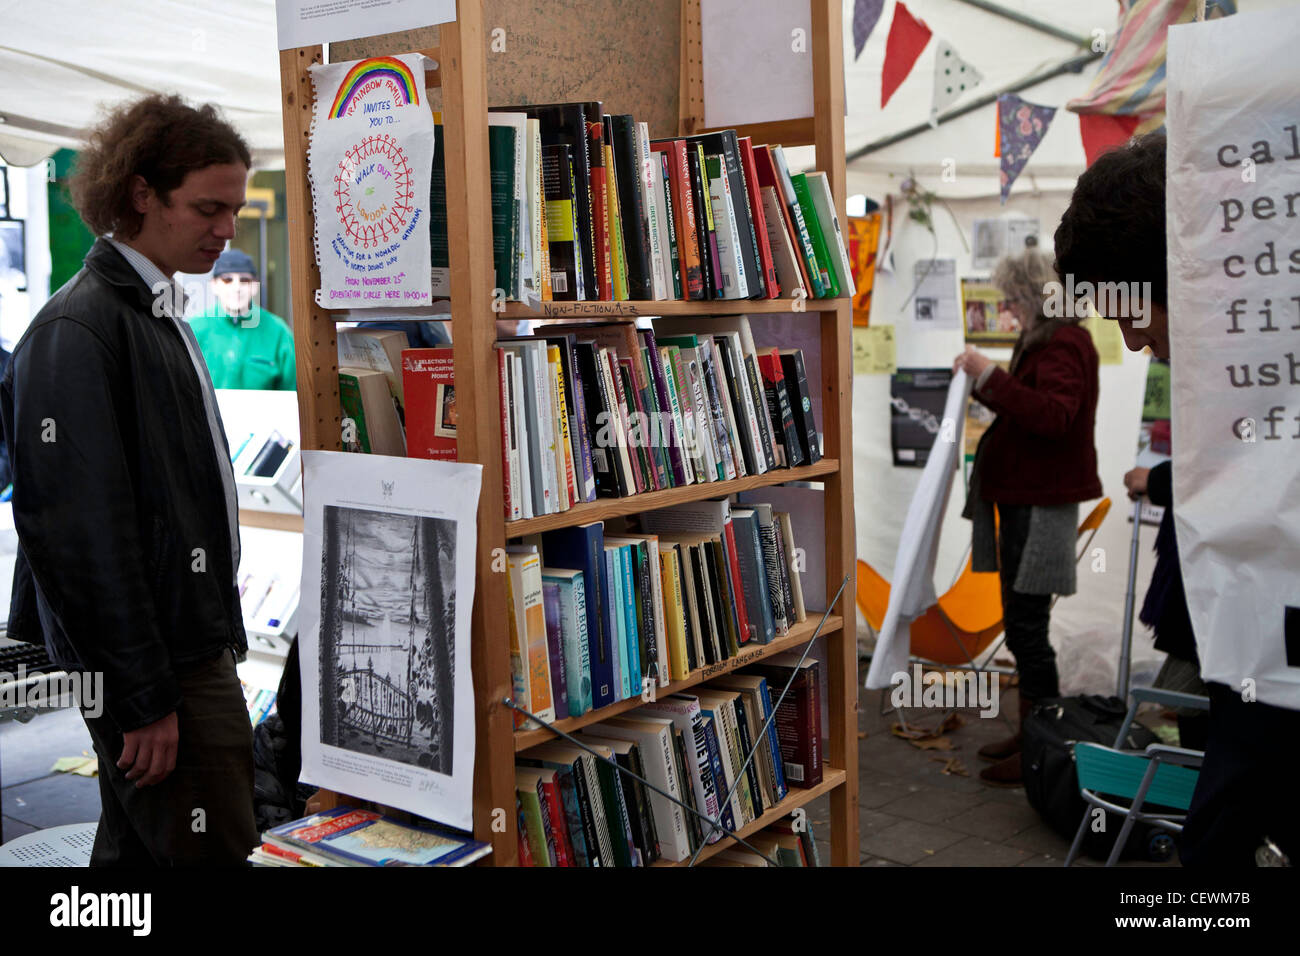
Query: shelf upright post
[(463, 49)]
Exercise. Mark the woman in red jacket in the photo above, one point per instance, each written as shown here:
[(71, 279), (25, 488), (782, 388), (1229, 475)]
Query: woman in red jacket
[(1034, 465)]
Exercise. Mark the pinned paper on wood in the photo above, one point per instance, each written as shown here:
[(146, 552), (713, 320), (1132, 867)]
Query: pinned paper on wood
[(371, 163)]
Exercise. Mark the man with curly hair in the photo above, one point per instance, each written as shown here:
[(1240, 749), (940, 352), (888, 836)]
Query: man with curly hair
[(124, 498)]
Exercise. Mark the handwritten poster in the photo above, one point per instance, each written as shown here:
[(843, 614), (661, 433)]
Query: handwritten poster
[(371, 161)]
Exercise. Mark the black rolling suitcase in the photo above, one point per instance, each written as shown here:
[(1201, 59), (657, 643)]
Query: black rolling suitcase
[(1047, 768)]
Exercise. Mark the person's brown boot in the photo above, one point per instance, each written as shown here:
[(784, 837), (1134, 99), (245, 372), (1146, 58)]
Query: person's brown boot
[(1009, 746), (1004, 774)]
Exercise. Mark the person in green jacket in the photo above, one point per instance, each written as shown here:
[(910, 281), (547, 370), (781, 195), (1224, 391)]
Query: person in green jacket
[(244, 345)]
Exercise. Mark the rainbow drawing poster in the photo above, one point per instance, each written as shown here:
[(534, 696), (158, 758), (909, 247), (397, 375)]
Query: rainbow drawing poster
[(371, 161)]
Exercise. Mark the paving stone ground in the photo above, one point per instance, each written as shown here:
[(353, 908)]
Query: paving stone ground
[(911, 813)]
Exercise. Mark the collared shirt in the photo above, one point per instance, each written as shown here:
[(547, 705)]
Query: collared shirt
[(153, 277)]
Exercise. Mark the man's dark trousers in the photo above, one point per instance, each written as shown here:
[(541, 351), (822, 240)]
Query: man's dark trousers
[(202, 813)]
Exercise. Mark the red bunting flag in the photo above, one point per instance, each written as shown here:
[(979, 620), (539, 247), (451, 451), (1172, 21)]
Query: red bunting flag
[(1101, 131), (907, 38)]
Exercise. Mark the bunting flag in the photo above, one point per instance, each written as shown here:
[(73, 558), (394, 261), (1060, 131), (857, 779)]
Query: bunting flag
[(865, 15), (1131, 79), (1100, 132), (953, 76), (907, 38), (1021, 127)]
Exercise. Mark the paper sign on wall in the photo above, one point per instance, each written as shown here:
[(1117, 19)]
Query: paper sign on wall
[(1234, 155), (309, 22), (371, 162)]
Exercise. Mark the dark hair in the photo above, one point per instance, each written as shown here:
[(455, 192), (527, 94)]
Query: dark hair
[(1114, 230), (158, 137)]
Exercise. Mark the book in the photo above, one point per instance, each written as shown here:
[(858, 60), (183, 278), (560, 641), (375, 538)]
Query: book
[(805, 423), (575, 403), (379, 350), (817, 233), (753, 574), (587, 796), (529, 655), (668, 222), (555, 652), (641, 828), (429, 384), (346, 836), (725, 145), (766, 264), (823, 201), (785, 536), (632, 206), (572, 622), (537, 817), (502, 140), (567, 124), (674, 611), (756, 688), (710, 261), (601, 238), (562, 236), (570, 822), (780, 411), (618, 255), (653, 736), (798, 716), (509, 438), (789, 272), (582, 548), (687, 716), (686, 221), (370, 422), (778, 174), (735, 278)]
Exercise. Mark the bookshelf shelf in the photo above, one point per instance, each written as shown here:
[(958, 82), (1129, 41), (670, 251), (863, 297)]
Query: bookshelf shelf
[(461, 49), (832, 777), (798, 636), (604, 508), (587, 312)]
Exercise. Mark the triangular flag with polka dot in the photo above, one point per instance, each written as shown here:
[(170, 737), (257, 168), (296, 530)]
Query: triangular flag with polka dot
[(953, 76)]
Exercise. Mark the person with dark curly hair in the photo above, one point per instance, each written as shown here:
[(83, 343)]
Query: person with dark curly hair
[(124, 498), (1033, 466), (1114, 232)]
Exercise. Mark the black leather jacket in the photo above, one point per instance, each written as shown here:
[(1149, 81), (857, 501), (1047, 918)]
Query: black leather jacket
[(116, 488)]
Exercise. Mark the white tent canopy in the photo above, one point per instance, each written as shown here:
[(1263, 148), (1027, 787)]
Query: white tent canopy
[(63, 61)]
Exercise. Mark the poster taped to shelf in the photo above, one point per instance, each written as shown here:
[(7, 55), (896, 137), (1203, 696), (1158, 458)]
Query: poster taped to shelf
[(387, 588), (371, 164), (308, 22)]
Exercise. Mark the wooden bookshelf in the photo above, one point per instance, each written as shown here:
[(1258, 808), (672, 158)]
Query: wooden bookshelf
[(462, 54), (832, 779)]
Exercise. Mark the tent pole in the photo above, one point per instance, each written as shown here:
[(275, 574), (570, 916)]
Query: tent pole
[(1072, 65), (1028, 21)]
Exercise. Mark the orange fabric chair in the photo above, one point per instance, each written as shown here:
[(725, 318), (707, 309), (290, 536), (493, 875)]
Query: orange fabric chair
[(967, 618)]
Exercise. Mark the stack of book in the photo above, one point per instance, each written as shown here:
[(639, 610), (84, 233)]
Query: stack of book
[(346, 836), (718, 750), (779, 842), (611, 410), (597, 617), (585, 206)]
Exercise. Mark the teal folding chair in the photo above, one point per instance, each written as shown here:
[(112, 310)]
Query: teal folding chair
[(1161, 776)]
